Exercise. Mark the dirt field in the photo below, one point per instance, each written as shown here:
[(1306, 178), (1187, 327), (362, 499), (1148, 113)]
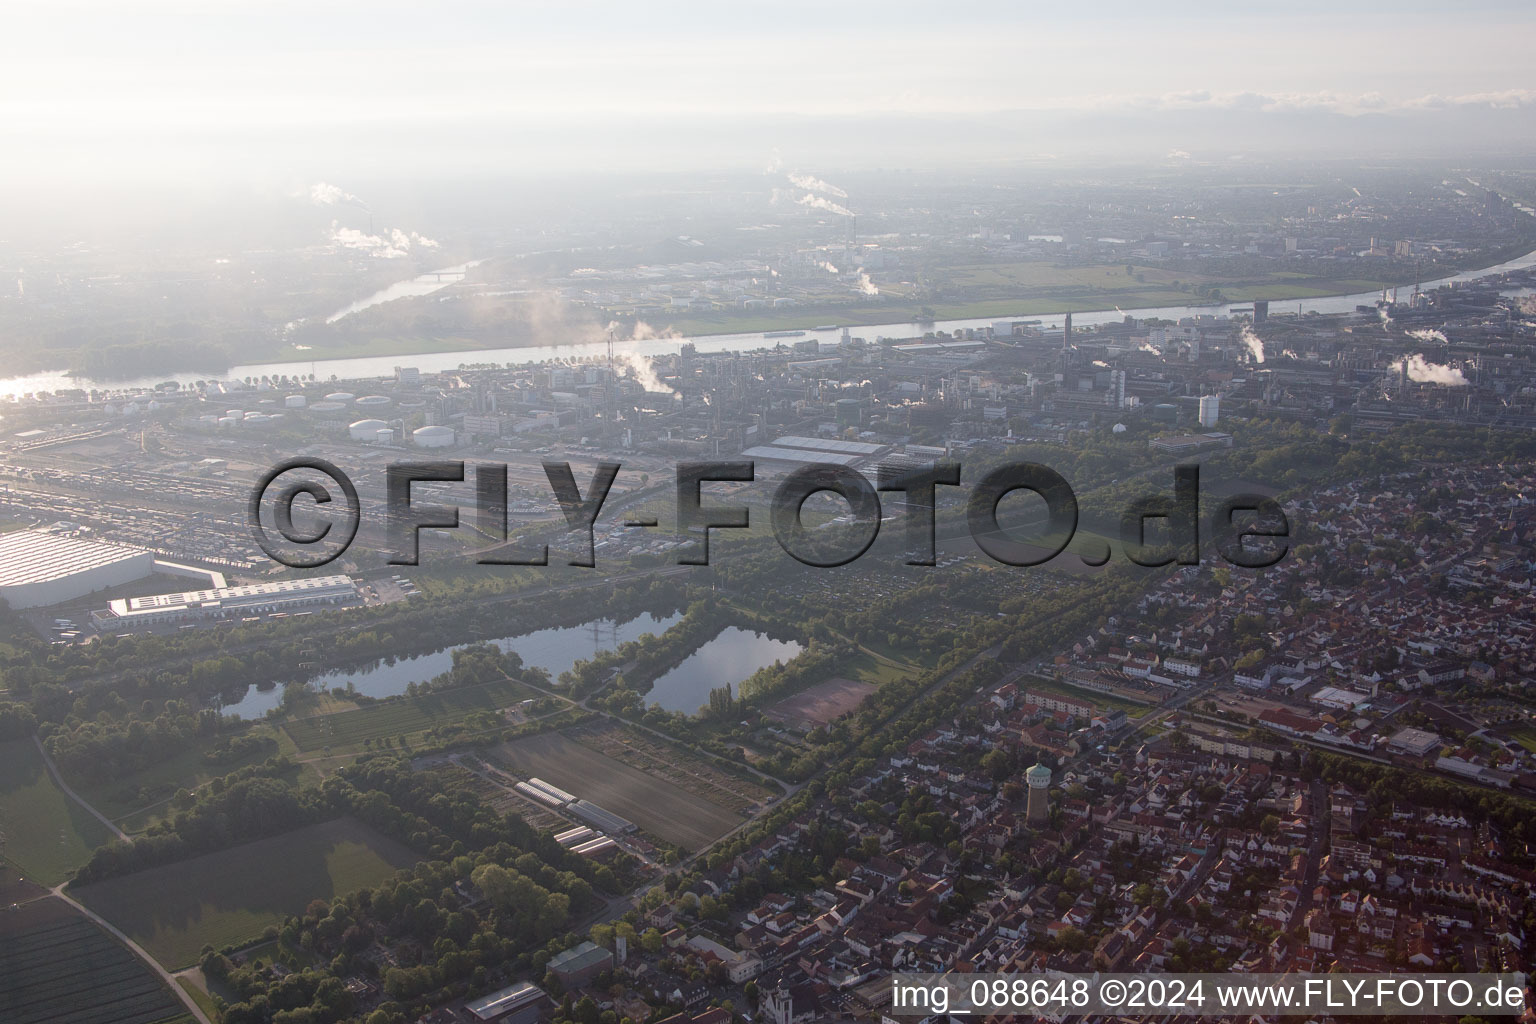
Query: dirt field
[(822, 703), (665, 810)]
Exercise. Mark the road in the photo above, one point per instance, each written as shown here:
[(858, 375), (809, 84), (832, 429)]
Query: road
[(1321, 812)]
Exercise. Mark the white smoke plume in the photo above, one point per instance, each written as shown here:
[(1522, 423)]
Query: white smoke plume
[(397, 246), (775, 161), (866, 286), (818, 203), (1431, 336), (639, 366), (814, 184), (1290, 353), (1147, 346), (1386, 317), (323, 193), (21, 287), (1423, 371), (828, 267), (1253, 342)]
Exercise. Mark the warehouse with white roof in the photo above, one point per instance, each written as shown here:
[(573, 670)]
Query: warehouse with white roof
[(39, 568)]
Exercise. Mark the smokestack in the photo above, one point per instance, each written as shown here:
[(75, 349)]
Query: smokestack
[(1066, 334)]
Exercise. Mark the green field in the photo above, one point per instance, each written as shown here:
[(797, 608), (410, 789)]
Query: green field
[(47, 835), (1526, 738), (400, 717), (229, 897)]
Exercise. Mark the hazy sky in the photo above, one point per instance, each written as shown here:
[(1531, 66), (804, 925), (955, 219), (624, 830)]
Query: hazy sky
[(168, 85)]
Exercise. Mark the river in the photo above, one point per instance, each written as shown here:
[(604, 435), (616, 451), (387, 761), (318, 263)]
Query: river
[(376, 367)]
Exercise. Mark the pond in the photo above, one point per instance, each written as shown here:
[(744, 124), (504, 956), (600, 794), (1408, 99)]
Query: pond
[(730, 657), (555, 650)]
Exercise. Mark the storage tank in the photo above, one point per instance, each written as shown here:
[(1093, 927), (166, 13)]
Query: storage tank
[(234, 412), (385, 436), (373, 400), (327, 407), (208, 419), (340, 396), (433, 437), (295, 401), (366, 430), (228, 421)]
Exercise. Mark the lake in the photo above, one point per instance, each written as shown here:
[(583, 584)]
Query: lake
[(555, 650), (732, 656)]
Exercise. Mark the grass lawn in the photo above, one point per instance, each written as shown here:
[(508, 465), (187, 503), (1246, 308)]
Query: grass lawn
[(231, 896), (47, 834), (400, 717), (869, 669), (1526, 738), (203, 1000)]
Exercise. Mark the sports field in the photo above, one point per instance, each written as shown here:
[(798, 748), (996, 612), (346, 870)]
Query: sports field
[(59, 966), (822, 703), (46, 834), (231, 896), (665, 810)]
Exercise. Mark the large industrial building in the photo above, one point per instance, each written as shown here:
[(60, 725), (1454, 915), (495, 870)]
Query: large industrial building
[(194, 606), (39, 568), (792, 451)]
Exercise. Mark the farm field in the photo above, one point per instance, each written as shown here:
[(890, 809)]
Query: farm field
[(400, 717), (664, 809), (672, 763), (228, 897), (60, 966), (47, 835)]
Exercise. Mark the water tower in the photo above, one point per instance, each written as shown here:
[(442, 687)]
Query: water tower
[(1039, 779)]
